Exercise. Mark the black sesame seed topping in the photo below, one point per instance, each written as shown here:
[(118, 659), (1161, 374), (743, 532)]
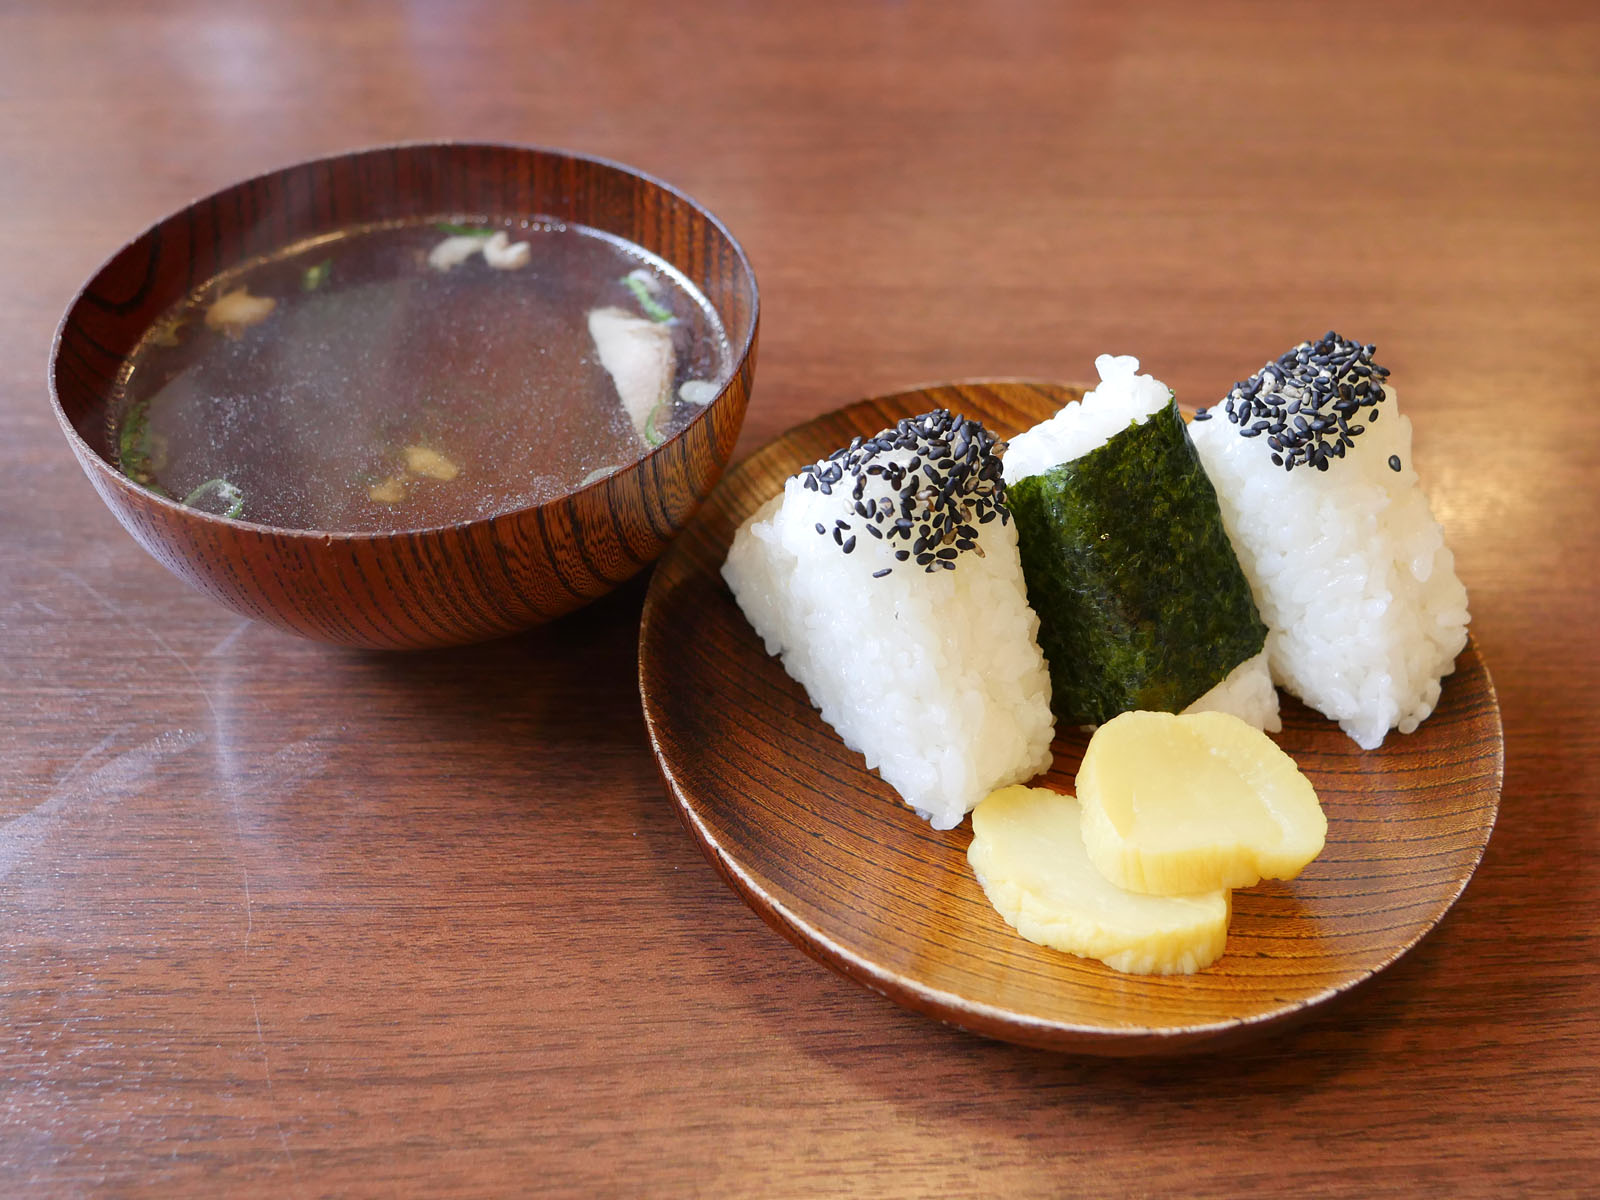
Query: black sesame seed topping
[(949, 486), (1394, 462), (1304, 401)]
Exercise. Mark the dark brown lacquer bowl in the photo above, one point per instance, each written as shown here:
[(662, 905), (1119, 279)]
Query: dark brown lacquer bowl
[(462, 583), (825, 851)]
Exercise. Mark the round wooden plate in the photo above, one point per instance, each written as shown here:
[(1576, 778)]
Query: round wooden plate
[(827, 854)]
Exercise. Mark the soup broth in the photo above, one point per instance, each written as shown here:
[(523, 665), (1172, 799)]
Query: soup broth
[(413, 376)]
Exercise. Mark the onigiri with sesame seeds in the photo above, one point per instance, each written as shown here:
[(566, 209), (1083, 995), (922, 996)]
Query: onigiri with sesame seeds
[(1311, 460), (887, 578)]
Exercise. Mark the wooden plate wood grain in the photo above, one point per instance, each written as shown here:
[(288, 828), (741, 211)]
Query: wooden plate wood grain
[(828, 855)]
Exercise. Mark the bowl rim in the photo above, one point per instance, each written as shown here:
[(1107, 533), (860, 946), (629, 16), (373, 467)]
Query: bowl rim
[(87, 454)]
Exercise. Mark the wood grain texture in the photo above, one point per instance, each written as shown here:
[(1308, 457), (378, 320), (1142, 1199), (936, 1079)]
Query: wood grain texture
[(291, 920), (828, 854), (467, 582)]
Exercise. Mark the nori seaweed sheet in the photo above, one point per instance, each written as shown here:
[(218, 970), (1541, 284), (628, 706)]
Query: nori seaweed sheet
[(1141, 601)]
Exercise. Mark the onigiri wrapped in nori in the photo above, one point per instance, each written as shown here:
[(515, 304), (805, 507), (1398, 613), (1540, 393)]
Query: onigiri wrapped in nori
[(1346, 560), (1141, 600), (887, 578)]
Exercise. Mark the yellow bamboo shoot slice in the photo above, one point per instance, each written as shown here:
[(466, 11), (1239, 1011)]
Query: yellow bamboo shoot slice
[(1178, 804), (1028, 854)]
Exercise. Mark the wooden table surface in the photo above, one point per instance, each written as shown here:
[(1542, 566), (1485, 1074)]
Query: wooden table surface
[(282, 919)]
